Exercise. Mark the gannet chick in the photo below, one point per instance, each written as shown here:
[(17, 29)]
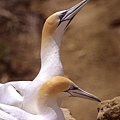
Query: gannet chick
[(23, 93), (48, 100)]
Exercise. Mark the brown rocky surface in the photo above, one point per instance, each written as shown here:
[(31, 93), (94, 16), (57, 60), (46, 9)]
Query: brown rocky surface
[(67, 114), (89, 52), (109, 109)]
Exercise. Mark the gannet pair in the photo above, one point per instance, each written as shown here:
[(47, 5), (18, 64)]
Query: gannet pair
[(48, 100), (23, 94)]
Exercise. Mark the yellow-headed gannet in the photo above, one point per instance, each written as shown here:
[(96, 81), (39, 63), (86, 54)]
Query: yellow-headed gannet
[(48, 100), (23, 93)]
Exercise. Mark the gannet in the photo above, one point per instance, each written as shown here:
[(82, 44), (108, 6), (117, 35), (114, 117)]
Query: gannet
[(48, 100), (23, 93)]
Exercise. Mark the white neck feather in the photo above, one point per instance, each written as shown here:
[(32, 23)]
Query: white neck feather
[(50, 53), (50, 59), (50, 66), (49, 108)]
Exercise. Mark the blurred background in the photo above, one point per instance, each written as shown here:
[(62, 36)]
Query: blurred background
[(90, 49)]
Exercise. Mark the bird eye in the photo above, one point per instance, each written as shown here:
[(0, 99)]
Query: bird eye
[(62, 15), (72, 87)]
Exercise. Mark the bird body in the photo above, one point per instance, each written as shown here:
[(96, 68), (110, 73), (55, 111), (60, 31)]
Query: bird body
[(48, 100)]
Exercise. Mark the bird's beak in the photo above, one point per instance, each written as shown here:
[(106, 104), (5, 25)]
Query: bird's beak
[(68, 15), (78, 92)]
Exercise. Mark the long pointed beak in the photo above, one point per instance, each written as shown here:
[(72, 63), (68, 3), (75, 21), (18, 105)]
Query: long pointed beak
[(77, 92), (74, 10), (68, 15)]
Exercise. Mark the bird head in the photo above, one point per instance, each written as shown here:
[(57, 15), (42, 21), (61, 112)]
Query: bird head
[(61, 87), (58, 22)]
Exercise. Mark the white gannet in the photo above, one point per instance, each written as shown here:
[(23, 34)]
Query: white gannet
[(23, 93), (48, 100), (51, 65)]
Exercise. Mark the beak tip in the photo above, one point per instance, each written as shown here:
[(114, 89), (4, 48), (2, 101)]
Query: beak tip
[(99, 100)]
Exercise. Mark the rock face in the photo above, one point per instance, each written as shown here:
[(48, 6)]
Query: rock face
[(109, 109), (67, 114)]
